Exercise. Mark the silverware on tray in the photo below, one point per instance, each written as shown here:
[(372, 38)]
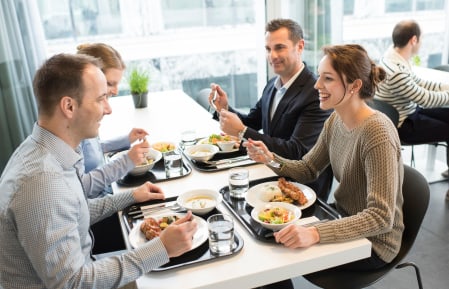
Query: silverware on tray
[(227, 161)]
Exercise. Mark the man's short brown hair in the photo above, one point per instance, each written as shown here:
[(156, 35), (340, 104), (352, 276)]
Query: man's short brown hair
[(61, 75)]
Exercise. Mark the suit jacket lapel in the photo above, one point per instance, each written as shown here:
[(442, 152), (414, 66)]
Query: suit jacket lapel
[(293, 91), (267, 109)]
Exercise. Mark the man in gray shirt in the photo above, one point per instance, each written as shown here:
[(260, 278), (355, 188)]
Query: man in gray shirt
[(44, 213)]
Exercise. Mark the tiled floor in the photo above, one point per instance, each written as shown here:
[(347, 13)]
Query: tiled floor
[(431, 249)]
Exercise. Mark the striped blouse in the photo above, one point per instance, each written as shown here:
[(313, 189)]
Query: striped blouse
[(404, 90)]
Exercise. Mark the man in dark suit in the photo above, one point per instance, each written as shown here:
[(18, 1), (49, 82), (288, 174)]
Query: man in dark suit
[(289, 111)]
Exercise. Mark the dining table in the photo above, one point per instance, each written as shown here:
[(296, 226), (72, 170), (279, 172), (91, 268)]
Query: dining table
[(167, 115)]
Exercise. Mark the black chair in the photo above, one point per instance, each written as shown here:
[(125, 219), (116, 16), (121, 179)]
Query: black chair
[(393, 114), (386, 108), (416, 200)]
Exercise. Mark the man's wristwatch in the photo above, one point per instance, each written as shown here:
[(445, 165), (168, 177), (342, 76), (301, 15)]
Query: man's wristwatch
[(242, 133)]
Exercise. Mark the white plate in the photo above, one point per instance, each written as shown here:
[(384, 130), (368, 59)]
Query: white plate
[(137, 238), (206, 141), (255, 196)]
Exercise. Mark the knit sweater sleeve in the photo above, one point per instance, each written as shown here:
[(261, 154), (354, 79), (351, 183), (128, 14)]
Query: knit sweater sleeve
[(368, 166), (370, 191)]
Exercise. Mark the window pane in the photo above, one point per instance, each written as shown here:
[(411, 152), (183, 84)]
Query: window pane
[(370, 24), (56, 19), (429, 4), (78, 18), (348, 7), (185, 44), (398, 5)]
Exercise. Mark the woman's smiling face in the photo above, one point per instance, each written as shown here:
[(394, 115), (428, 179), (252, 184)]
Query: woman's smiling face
[(329, 84)]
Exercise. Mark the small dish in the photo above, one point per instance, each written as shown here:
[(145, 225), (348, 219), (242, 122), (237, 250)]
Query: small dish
[(226, 146), (275, 215), (201, 152), (164, 146), (200, 201), (153, 156)]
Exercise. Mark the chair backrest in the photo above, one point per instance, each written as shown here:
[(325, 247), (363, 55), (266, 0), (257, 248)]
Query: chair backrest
[(387, 109), (416, 192)]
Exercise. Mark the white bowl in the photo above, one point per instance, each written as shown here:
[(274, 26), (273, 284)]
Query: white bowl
[(201, 152), (226, 145), (293, 210), (138, 170), (164, 146), (200, 201)]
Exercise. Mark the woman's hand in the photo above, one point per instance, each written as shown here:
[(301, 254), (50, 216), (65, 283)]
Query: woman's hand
[(294, 236), (137, 133), (148, 191), (258, 151), (138, 153)]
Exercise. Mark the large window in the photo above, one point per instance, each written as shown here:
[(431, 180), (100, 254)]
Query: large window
[(189, 44), (370, 24), (185, 44), (64, 19)]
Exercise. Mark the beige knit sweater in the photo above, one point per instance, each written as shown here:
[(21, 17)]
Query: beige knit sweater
[(367, 164)]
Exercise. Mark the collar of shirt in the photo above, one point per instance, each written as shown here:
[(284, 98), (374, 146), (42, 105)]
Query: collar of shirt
[(281, 89), (392, 54), (62, 152)]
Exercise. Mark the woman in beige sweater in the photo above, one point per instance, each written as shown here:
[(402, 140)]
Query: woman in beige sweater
[(363, 148)]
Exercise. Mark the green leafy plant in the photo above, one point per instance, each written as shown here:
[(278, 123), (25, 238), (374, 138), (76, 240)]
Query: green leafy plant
[(416, 60), (138, 80)]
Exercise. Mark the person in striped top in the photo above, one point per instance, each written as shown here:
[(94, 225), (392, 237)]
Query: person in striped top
[(423, 116)]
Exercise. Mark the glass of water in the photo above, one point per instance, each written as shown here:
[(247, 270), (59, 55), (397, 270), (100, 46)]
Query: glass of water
[(238, 182), (173, 163), (221, 233)]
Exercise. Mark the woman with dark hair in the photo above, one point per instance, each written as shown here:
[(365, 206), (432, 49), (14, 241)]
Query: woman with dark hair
[(363, 148)]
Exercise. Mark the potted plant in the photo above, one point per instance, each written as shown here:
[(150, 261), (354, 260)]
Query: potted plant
[(138, 80)]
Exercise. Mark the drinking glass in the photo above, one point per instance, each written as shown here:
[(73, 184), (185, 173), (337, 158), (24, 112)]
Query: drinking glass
[(173, 163), (221, 233), (238, 182)]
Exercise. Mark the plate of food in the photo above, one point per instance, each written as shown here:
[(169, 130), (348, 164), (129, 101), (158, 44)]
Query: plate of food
[(281, 191), (149, 228), (222, 141)]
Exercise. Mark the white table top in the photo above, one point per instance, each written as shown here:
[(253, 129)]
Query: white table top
[(431, 74), (258, 263)]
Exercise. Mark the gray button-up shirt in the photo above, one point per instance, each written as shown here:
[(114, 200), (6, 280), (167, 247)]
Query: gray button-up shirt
[(45, 219)]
